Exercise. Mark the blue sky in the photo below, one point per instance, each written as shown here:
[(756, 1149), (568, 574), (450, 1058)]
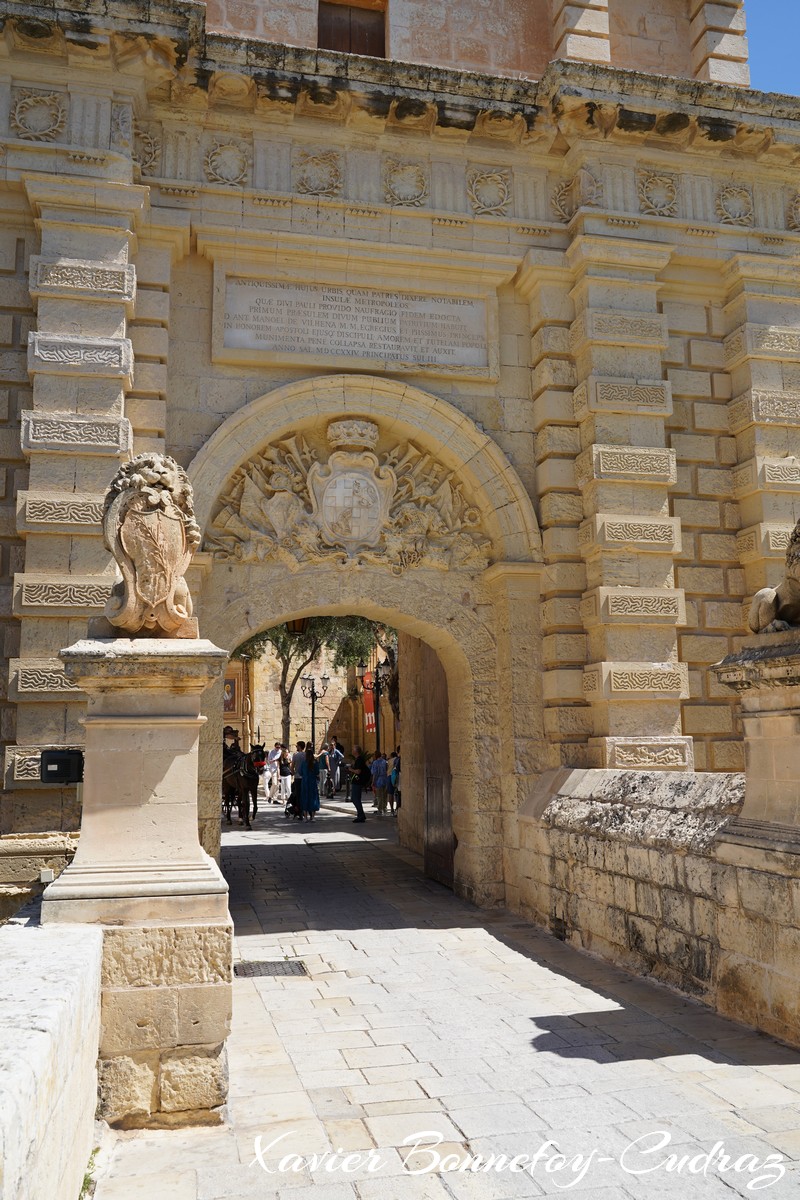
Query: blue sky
[(773, 27)]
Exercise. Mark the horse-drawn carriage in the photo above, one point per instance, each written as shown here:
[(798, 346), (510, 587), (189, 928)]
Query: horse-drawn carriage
[(241, 771)]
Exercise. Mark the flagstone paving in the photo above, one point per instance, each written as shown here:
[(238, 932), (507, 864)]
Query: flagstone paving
[(422, 1014)]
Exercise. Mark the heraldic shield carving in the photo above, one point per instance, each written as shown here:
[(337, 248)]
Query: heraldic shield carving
[(149, 527), (400, 508)]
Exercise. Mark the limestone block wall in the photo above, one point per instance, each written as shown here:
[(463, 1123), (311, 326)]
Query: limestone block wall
[(49, 1027), (513, 36), (651, 35), (265, 674), (708, 569), (636, 869)]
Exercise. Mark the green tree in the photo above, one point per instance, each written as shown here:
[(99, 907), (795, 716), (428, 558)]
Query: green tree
[(351, 640)]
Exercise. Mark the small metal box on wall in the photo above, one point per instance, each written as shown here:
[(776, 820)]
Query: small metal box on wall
[(61, 766)]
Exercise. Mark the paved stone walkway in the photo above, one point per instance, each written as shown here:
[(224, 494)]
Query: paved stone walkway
[(421, 1013)]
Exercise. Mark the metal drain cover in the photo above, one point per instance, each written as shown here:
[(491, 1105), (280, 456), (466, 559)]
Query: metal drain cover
[(293, 966)]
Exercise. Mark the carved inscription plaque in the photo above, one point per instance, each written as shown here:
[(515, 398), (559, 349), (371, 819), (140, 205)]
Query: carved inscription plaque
[(354, 322)]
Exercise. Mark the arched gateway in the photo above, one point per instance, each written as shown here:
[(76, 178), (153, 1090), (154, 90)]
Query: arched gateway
[(351, 494)]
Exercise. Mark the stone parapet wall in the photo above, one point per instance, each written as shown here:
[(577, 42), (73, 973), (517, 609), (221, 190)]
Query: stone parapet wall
[(635, 868), (49, 1025)]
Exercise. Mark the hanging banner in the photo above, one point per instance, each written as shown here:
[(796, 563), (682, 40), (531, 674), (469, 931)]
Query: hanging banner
[(369, 704)]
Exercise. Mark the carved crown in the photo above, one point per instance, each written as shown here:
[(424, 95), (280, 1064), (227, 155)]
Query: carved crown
[(359, 434)]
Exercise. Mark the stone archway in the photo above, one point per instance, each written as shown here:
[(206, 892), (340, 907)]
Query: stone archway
[(446, 548)]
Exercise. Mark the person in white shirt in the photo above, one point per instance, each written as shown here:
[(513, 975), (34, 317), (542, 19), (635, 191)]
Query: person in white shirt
[(272, 773)]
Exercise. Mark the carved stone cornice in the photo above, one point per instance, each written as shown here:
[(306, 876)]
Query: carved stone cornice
[(766, 661), (173, 50), (104, 203)]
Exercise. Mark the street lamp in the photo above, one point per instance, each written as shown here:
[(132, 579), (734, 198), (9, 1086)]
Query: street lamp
[(309, 685), (379, 684), (247, 707)]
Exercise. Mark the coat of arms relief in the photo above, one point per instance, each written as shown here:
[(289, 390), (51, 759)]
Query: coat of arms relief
[(399, 508)]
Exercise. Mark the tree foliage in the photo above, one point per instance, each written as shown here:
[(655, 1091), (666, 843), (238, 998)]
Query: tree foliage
[(350, 640)]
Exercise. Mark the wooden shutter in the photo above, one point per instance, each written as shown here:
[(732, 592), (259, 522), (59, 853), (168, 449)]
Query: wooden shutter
[(351, 29), (334, 27), (367, 32)]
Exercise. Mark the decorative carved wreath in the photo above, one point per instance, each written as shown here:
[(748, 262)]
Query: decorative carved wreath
[(320, 174), (404, 183), (735, 205), (488, 191), (226, 162), (38, 116), (658, 195)]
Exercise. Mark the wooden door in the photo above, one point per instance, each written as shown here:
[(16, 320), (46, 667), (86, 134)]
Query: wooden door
[(439, 841)]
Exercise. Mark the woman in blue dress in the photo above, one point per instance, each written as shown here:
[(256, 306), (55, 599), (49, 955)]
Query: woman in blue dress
[(309, 784)]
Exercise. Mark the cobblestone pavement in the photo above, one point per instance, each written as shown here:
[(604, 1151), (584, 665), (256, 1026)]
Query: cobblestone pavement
[(422, 1013)]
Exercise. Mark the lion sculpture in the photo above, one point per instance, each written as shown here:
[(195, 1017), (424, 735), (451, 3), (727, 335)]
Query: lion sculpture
[(774, 610)]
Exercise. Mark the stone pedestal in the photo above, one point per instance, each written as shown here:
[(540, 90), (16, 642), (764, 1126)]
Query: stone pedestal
[(765, 671), (141, 873)]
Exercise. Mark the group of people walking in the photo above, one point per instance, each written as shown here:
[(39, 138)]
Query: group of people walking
[(297, 781), (382, 774)]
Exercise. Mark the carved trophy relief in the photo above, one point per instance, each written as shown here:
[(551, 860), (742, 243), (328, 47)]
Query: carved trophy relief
[(489, 192), (734, 205), (122, 128), (793, 213), (319, 174), (149, 527), (399, 509), (404, 183), (583, 190), (38, 116), (226, 162), (658, 194)]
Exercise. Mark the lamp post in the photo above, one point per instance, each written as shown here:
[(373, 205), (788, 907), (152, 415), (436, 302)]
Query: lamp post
[(247, 707), (309, 685), (378, 685)]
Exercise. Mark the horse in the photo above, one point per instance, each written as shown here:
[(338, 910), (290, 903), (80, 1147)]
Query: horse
[(240, 773)]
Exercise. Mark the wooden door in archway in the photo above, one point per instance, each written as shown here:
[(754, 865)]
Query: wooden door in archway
[(439, 843)]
